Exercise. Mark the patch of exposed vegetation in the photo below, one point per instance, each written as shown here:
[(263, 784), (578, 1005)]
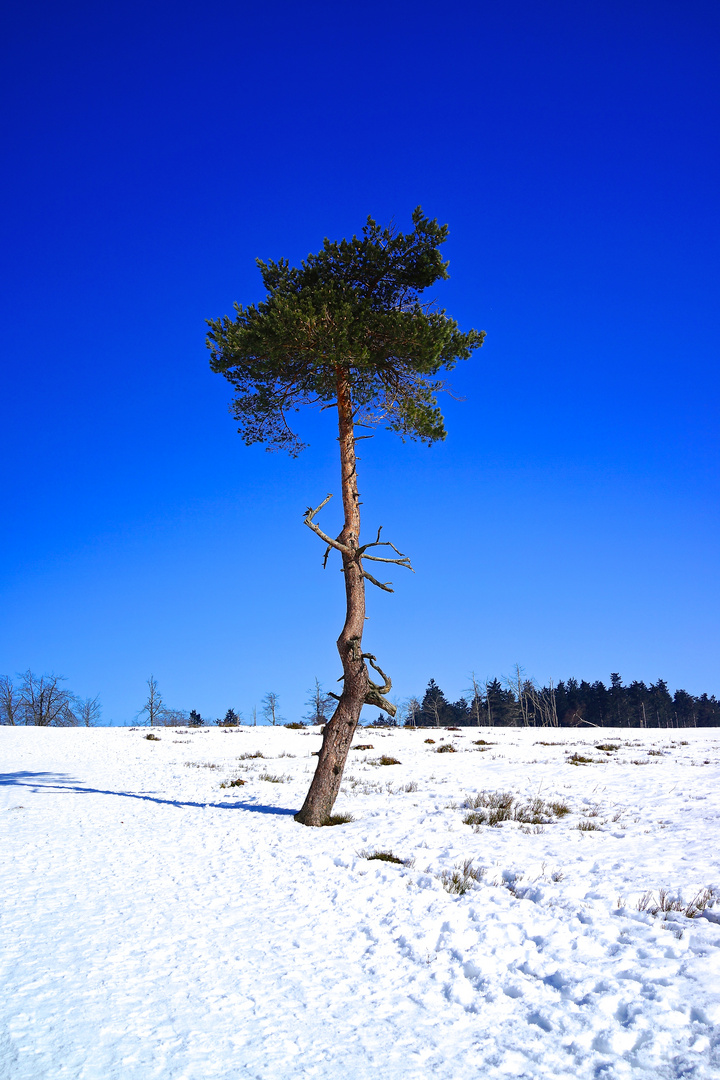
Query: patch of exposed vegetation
[(493, 807), (338, 819), (382, 856), (665, 904), (462, 878)]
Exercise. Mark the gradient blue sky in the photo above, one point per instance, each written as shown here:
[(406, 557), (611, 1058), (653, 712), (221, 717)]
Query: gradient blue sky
[(570, 520)]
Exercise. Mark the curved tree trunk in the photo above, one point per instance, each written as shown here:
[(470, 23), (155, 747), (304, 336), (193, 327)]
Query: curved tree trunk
[(341, 727)]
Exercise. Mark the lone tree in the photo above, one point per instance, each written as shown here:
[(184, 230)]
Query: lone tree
[(346, 330)]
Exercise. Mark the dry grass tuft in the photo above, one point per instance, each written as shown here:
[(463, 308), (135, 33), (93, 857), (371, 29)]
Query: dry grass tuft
[(338, 819), (664, 904), (383, 856), (494, 807), (462, 878)]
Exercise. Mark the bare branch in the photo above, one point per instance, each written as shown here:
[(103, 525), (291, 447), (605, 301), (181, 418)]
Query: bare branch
[(309, 515), (405, 561), (385, 588), (374, 696), (387, 685)]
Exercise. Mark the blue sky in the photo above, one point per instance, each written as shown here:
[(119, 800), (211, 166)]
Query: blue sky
[(570, 520)]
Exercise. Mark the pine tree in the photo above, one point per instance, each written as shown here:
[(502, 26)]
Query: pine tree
[(345, 330)]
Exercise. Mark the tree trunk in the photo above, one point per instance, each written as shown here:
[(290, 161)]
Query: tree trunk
[(341, 727)]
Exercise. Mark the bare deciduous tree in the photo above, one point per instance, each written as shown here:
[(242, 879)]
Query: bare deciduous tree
[(520, 686), (269, 707), (88, 711), (173, 717), (320, 704), (44, 702), (411, 710), (476, 704), (153, 706), (10, 703)]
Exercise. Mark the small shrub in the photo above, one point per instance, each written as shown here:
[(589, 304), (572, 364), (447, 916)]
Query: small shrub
[(273, 778), (363, 746), (200, 765), (430, 740), (382, 856), (233, 783), (294, 727), (248, 757), (385, 759), (446, 748), (482, 742), (153, 738), (578, 759), (411, 786), (608, 747), (462, 878), (664, 904), (587, 826), (452, 728), (492, 808), (338, 819), (495, 800), (532, 813), (656, 753)]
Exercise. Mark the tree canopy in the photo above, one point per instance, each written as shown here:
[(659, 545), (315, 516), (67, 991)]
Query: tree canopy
[(352, 310)]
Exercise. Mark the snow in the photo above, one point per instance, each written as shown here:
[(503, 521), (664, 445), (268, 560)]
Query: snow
[(156, 925)]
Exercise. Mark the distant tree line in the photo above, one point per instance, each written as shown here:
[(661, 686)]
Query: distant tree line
[(517, 701), (43, 701)]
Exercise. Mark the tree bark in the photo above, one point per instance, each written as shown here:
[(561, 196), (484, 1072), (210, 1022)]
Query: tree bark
[(341, 727)]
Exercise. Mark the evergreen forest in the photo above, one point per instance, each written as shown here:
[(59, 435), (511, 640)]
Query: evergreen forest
[(517, 701)]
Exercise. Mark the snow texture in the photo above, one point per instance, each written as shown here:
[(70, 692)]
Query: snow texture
[(157, 925)]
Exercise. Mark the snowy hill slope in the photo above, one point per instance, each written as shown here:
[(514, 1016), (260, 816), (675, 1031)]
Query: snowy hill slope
[(158, 925)]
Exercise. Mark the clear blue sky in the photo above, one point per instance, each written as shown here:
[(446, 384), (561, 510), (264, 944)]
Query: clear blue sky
[(569, 522)]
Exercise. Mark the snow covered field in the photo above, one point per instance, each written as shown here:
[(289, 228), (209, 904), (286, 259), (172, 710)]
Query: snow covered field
[(156, 925)]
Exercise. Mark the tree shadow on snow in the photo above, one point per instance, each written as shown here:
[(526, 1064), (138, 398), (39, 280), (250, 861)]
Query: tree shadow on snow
[(40, 781)]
